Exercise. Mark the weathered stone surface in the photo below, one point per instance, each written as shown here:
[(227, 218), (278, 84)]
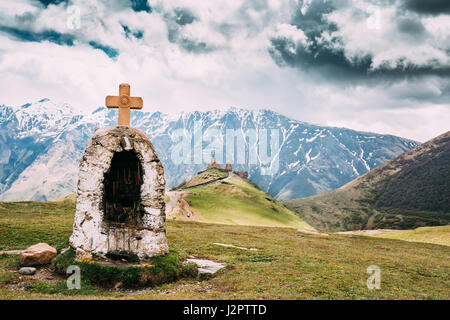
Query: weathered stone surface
[(38, 254), (206, 266), (27, 271), (90, 232)]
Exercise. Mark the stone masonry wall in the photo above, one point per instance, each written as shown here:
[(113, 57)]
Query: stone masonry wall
[(91, 234)]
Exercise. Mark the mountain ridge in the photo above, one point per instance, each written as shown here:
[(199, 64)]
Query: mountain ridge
[(41, 144)]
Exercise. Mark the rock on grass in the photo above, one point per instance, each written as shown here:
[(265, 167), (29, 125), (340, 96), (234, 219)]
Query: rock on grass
[(36, 255)]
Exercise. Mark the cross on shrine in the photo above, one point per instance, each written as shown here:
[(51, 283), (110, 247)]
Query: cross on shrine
[(124, 103)]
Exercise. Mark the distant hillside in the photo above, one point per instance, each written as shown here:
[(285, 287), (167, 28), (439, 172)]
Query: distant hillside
[(410, 191), (214, 198), (436, 235)]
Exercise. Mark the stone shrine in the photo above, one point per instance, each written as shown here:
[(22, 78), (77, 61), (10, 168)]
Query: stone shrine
[(120, 208)]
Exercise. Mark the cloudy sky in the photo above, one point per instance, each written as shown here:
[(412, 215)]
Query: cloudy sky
[(381, 65)]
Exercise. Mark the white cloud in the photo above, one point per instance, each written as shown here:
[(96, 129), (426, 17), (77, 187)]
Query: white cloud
[(294, 36), (237, 71), (17, 7)]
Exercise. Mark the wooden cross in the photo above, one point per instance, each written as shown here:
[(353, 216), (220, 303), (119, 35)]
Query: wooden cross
[(124, 103)]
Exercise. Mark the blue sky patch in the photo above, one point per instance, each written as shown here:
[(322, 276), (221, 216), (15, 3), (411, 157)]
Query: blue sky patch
[(111, 52), (138, 34), (47, 35), (140, 5), (46, 3)]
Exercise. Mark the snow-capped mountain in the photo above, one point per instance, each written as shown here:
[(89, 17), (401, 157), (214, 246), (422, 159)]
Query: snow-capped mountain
[(42, 143)]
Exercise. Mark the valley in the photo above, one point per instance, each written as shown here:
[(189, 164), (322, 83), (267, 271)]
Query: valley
[(407, 192)]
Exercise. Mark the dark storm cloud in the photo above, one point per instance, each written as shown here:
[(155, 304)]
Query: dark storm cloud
[(433, 7), (410, 26), (313, 22), (30, 36), (327, 58), (316, 55), (330, 63), (46, 3)]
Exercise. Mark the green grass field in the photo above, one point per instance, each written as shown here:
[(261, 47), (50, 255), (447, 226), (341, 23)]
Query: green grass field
[(22, 223), (287, 265), (240, 202), (437, 235)]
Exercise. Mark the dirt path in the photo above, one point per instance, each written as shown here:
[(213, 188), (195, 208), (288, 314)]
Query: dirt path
[(368, 232), (230, 175), (178, 208), (174, 196)]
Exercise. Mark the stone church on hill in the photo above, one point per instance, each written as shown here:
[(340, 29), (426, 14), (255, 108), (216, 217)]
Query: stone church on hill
[(228, 168)]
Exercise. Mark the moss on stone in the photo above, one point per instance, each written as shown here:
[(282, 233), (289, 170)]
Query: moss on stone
[(152, 272)]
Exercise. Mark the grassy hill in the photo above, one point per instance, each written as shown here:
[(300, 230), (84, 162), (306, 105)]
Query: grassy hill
[(211, 198), (288, 264), (410, 191)]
